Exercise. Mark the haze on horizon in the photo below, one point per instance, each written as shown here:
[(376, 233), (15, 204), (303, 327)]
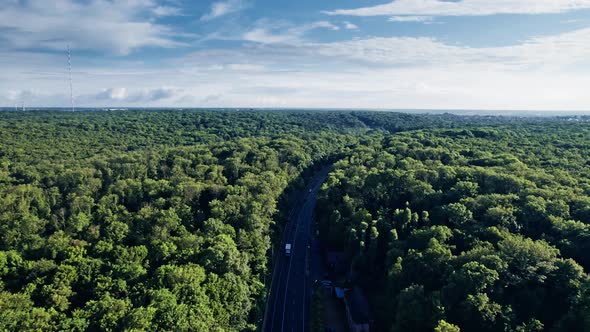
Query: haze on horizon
[(402, 54)]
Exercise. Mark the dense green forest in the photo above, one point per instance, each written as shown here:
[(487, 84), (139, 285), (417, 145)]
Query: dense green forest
[(482, 229), (144, 220), (163, 220)]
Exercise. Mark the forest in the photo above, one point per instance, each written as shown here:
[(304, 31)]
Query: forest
[(480, 229), (165, 220)]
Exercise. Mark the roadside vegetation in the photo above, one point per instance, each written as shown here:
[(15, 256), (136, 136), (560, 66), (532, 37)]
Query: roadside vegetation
[(143, 221), (317, 311), (163, 221), (482, 229)]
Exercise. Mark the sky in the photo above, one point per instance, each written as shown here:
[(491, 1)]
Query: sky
[(401, 54)]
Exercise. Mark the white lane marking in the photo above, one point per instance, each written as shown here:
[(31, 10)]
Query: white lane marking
[(290, 264), (289, 272), (274, 307), (304, 293), (278, 266)]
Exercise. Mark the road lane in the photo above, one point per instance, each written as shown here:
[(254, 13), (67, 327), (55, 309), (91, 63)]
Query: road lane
[(288, 302)]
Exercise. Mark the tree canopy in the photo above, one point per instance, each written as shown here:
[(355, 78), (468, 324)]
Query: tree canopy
[(164, 220), (473, 229)]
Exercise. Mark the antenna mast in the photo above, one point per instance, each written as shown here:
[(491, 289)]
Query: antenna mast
[(70, 72)]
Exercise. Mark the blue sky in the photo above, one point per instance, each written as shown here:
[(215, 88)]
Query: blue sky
[(430, 54)]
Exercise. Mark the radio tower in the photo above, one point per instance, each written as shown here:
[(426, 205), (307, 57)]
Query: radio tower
[(70, 72)]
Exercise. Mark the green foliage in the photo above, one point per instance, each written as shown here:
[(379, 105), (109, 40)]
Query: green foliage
[(317, 311), (147, 221), (446, 327), (475, 230), (163, 221)]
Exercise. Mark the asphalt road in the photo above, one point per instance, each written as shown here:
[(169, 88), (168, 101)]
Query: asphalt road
[(288, 302)]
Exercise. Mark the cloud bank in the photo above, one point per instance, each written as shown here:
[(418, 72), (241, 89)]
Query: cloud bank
[(544, 73), (465, 7), (117, 26), (278, 63)]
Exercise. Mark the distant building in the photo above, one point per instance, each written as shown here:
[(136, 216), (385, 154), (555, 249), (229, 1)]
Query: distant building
[(357, 310)]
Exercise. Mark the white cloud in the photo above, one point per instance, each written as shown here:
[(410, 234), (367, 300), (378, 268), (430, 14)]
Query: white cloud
[(134, 96), (113, 26), (551, 72), (350, 26), (113, 94), (560, 51), (166, 11), (465, 7), (105, 97), (439, 87), (262, 35), (244, 67), (222, 8), (404, 73), (147, 96), (321, 24), (164, 93), (410, 19), (268, 32)]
